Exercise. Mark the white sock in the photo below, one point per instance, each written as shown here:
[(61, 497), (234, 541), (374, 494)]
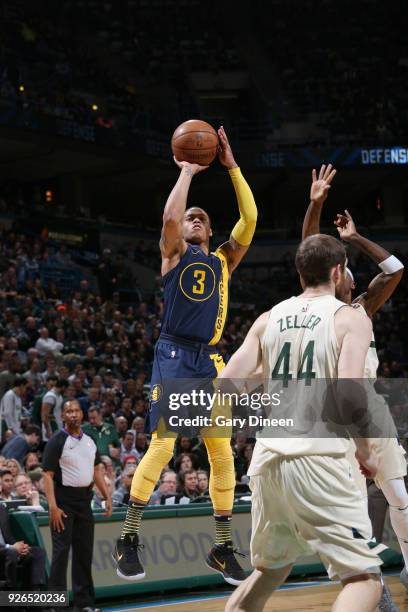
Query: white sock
[(396, 494)]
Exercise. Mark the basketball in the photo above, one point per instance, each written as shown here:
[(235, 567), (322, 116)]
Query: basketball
[(195, 141)]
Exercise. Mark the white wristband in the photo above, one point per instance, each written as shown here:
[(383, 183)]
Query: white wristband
[(391, 264)]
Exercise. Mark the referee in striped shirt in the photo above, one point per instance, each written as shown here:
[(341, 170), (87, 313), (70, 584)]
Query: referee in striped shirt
[(71, 465)]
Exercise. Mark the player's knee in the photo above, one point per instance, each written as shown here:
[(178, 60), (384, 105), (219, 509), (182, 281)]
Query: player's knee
[(162, 447), (219, 449)]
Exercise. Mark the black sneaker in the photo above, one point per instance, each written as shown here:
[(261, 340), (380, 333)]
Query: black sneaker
[(222, 560), (126, 557)]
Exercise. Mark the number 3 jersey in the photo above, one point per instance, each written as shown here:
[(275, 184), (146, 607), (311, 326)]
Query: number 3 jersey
[(299, 345), (196, 296)]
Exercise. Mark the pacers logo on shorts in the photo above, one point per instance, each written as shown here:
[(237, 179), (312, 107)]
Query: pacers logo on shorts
[(156, 393), (197, 281)]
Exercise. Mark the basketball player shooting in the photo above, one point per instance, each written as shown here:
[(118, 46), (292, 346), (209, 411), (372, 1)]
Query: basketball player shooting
[(303, 498), (196, 284), (392, 463)]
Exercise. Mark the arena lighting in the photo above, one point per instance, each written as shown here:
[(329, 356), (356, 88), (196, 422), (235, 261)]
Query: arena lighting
[(21, 88), (94, 107), (49, 195)]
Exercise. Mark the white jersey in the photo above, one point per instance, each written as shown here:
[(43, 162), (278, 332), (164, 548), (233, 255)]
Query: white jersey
[(371, 362), (299, 342)]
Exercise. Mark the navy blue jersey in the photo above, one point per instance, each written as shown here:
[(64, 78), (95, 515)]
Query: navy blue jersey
[(196, 296)]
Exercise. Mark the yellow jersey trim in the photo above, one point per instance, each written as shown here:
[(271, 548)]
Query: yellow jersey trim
[(218, 361), (223, 298)]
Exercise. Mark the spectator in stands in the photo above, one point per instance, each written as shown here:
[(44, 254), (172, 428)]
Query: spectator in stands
[(200, 455), (141, 444), (23, 488), (33, 375), (91, 398), (126, 411), (90, 360), (46, 345), (183, 462), (50, 369), (11, 405), (29, 335), (18, 446), (122, 493), (14, 467), (202, 482), (14, 555), (7, 377), (6, 484), (128, 445), (188, 484), (121, 425), (243, 460), (138, 425), (37, 480), (105, 435), (109, 467), (239, 442), (167, 487), (31, 461), (51, 416)]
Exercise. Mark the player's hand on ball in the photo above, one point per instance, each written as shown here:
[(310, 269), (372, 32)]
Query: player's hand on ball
[(345, 226), (192, 169), (320, 186), (225, 154)]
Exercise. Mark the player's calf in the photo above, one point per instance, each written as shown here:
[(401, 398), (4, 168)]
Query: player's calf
[(360, 593)]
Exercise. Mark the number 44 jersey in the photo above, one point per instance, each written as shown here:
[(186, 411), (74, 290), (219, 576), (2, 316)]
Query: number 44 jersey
[(300, 354), (196, 296)]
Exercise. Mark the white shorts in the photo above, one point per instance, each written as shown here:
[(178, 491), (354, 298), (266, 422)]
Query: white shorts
[(308, 505), (392, 462)]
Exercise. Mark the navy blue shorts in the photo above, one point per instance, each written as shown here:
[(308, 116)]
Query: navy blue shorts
[(180, 366)]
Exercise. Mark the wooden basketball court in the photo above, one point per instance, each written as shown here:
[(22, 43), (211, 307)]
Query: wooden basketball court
[(307, 597)]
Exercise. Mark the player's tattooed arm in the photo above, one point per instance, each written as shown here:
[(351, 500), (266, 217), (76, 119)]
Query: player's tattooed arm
[(319, 191), (384, 284), (172, 245)]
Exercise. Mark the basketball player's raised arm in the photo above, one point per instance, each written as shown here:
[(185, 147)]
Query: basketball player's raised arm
[(319, 191), (354, 331), (243, 231), (172, 245), (384, 284)]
